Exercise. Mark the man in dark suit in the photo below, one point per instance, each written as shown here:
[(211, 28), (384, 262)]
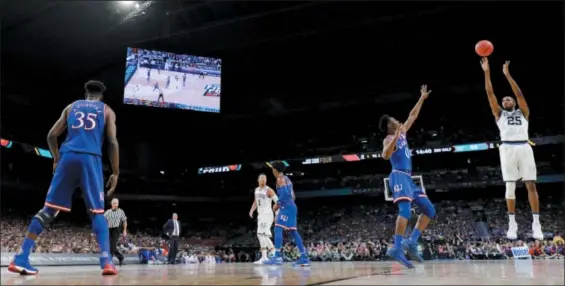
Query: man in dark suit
[(173, 229)]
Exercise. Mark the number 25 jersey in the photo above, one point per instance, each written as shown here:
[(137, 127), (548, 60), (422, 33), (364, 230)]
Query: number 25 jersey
[(513, 126)]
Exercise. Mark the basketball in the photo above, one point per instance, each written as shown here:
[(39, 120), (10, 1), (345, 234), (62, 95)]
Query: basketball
[(484, 48)]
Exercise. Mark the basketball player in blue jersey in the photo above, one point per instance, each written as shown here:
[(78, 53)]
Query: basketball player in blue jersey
[(78, 163), (286, 211), (404, 191)]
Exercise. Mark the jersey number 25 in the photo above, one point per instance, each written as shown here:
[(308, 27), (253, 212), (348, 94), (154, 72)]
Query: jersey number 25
[(87, 122), (514, 120)]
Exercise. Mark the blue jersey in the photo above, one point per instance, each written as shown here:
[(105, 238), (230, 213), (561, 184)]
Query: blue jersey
[(285, 192), (401, 158), (85, 127)]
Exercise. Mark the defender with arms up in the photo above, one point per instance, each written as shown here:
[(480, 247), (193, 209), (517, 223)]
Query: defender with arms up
[(516, 155), (78, 164), (404, 191)]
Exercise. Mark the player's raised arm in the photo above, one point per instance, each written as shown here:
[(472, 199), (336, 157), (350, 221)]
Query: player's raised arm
[(389, 144), (494, 106), (416, 110), (58, 128), (113, 149), (517, 92)]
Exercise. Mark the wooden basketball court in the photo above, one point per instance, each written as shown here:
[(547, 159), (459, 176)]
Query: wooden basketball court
[(502, 272)]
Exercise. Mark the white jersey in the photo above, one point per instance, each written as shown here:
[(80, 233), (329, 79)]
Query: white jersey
[(263, 201), (513, 126)]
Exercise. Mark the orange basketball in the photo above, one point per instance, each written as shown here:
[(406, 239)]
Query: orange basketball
[(484, 48)]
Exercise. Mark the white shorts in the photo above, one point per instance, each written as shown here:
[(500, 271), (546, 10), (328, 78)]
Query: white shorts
[(264, 224), (517, 162)]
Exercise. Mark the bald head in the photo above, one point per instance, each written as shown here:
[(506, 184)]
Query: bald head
[(115, 203)]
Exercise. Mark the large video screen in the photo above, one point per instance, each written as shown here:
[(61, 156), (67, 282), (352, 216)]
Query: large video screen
[(167, 80)]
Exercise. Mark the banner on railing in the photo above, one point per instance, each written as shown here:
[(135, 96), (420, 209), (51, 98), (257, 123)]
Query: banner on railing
[(521, 252), (62, 259)]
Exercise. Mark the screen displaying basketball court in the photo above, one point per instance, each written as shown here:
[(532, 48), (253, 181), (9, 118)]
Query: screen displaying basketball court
[(167, 80)]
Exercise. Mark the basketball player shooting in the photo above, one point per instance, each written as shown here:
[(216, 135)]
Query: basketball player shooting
[(404, 191), (78, 163), (516, 155), (263, 203)]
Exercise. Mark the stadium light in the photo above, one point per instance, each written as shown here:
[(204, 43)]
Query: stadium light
[(128, 3), (136, 6)]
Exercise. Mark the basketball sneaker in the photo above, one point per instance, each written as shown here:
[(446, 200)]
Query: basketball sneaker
[(260, 261), (398, 255), (20, 264), (273, 261), (109, 269), (412, 248), (303, 261), (536, 231), (512, 233)]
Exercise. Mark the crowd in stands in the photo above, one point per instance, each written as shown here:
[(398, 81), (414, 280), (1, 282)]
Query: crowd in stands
[(170, 61), (453, 177), (361, 232)]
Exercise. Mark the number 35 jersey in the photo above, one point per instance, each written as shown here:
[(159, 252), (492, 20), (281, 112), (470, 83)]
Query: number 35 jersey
[(85, 127), (513, 126)]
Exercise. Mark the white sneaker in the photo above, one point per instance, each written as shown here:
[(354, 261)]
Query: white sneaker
[(512, 231), (260, 261), (536, 231)]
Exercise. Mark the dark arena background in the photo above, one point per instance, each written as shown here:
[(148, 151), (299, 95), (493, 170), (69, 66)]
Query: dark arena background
[(302, 82)]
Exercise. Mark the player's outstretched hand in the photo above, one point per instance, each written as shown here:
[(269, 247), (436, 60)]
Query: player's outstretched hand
[(424, 91), (484, 64), (505, 70), (112, 183), (251, 214)]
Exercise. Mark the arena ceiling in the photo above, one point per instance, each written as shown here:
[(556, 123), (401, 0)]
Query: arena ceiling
[(279, 56)]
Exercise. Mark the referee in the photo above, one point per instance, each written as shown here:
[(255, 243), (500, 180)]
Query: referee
[(116, 217)]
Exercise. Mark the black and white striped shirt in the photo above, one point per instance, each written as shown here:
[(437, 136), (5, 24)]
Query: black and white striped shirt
[(115, 218)]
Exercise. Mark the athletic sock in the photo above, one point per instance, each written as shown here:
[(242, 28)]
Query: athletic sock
[(415, 235), (397, 241)]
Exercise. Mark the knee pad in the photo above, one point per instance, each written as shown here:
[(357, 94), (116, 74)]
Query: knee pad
[(510, 190), (426, 207), (46, 215), (404, 209)]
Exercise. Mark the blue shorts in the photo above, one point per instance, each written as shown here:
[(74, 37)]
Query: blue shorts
[(77, 170), (403, 187), (287, 217)]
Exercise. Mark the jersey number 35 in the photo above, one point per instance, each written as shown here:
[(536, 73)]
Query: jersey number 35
[(87, 122)]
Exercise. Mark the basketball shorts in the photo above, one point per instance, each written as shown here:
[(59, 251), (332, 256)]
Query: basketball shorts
[(517, 162), (287, 217), (264, 223), (403, 187), (77, 170)]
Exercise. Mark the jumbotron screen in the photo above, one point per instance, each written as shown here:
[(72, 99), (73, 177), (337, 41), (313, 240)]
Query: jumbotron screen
[(167, 80)]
